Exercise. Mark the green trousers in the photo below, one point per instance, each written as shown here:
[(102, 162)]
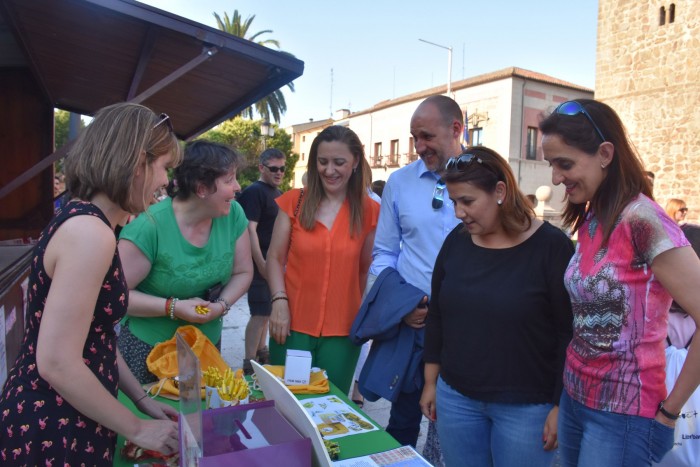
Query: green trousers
[(337, 355)]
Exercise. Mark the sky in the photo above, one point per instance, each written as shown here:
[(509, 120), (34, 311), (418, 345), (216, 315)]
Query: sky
[(357, 53)]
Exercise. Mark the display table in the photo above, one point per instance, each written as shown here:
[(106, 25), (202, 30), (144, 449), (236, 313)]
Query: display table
[(350, 446)]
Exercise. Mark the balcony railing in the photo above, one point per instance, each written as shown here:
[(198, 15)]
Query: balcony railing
[(392, 160)]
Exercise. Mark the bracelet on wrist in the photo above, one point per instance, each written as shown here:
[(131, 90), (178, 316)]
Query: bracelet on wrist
[(280, 293), (141, 398), (666, 413), (225, 304), (279, 298), (168, 302), (171, 308)]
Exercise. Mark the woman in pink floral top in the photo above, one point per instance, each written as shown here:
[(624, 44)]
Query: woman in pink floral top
[(631, 258)]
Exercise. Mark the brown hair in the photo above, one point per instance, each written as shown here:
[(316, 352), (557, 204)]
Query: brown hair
[(108, 151), (358, 183), (516, 213), (625, 178), (204, 161)]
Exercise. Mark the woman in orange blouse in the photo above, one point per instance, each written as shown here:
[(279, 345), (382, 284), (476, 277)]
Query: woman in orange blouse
[(320, 252)]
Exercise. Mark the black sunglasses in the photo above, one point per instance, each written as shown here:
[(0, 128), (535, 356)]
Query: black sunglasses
[(463, 161), (439, 194), (164, 119), (571, 108), (273, 169), (683, 209)]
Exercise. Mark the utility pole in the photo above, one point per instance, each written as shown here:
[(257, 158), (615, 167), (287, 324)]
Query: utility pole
[(449, 64)]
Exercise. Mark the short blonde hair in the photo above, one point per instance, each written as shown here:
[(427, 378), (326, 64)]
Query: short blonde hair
[(673, 205), (106, 154)]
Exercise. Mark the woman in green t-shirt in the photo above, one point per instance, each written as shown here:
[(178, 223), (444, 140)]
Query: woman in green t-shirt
[(190, 250)]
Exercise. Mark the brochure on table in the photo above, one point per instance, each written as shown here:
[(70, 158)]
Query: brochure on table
[(404, 456), (335, 419), (293, 411)]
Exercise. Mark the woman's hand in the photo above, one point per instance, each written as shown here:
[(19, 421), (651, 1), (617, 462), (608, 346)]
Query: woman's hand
[(156, 409), (549, 435), (427, 402), (157, 435), (186, 310), (279, 321), (664, 420)]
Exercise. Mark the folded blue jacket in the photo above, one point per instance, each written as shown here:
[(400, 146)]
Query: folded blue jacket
[(394, 361)]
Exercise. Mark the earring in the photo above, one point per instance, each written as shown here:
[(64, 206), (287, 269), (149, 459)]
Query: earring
[(354, 169), (602, 166), (500, 201)]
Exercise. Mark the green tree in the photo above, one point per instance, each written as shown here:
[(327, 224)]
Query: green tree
[(244, 135), (273, 105), (61, 122)]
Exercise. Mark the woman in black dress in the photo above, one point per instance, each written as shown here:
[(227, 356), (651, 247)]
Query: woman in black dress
[(59, 405)]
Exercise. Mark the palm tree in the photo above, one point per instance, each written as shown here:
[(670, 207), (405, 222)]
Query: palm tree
[(273, 105)]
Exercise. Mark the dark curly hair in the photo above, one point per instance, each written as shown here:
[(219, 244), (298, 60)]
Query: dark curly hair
[(203, 163)]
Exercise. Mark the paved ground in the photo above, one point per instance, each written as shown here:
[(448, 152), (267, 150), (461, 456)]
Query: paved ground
[(232, 350)]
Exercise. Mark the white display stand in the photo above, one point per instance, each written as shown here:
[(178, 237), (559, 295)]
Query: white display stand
[(289, 406)]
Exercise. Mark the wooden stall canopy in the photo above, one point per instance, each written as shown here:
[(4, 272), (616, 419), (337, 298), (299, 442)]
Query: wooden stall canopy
[(85, 54)]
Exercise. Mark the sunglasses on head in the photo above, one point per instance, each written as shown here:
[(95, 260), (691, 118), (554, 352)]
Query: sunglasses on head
[(164, 119), (462, 161), (571, 108), (274, 169)]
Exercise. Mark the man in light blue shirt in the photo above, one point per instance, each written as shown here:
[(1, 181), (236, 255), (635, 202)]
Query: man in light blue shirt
[(415, 217)]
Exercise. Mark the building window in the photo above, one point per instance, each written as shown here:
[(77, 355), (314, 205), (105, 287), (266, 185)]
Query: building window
[(672, 13), (303, 138), (412, 156), (394, 154), (531, 150), (303, 156), (475, 135), (662, 16), (377, 156)]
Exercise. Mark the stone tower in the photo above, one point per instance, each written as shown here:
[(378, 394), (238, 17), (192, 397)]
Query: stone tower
[(648, 70)]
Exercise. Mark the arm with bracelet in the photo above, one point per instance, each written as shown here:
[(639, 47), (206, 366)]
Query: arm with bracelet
[(141, 304), (280, 320)]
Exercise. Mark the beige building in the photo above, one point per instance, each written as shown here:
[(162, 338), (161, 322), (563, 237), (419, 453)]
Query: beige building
[(648, 70), (502, 111)]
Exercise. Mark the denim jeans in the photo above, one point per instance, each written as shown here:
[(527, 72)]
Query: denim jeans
[(593, 438), (475, 433)]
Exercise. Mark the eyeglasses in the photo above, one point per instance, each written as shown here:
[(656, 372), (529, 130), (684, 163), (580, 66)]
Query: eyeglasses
[(571, 108), (274, 169), (164, 119), (683, 209), (439, 194)]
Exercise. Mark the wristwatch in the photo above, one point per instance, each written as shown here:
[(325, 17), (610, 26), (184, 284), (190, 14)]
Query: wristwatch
[(666, 413)]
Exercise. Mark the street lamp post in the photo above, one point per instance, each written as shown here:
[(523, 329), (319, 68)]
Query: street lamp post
[(449, 63), (266, 131)]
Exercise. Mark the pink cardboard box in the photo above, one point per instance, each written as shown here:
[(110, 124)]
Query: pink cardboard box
[(252, 435)]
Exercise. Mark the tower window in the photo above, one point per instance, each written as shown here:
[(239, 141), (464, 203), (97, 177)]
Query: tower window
[(672, 13), (662, 16)]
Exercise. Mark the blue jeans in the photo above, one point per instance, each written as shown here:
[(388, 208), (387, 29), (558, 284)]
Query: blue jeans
[(475, 433), (592, 438)]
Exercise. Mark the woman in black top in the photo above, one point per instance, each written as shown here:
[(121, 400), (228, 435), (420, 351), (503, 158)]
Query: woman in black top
[(498, 324)]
